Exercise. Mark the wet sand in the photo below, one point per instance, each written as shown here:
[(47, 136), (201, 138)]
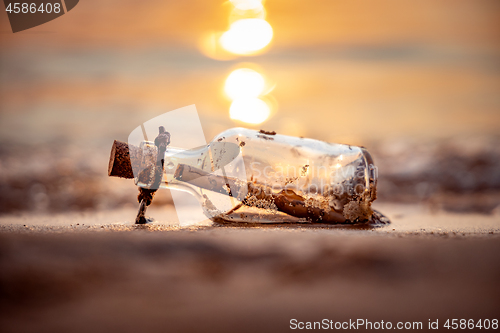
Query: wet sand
[(81, 272)]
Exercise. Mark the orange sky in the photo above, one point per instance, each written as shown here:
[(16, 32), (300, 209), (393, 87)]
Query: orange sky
[(297, 23), (344, 70)]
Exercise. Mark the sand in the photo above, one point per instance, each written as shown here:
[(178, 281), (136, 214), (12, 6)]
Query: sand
[(77, 272)]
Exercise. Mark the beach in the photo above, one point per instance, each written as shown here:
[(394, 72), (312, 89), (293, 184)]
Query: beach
[(416, 84)]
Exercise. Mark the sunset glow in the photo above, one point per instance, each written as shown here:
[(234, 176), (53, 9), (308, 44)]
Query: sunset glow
[(253, 5), (247, 36), (249, 110), (244, 86), (244, 82)]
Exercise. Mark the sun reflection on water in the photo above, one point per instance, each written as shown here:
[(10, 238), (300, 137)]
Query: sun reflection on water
[(245, 86), (247, 36), (248, 32), (255, 5), (244, 82), (251, 110)]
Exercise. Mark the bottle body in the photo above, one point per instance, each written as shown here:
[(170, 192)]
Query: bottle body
[(248, 175)]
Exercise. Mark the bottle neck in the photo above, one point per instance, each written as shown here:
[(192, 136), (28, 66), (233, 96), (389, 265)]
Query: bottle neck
[(198, 158), (205, 160), (144, 171)]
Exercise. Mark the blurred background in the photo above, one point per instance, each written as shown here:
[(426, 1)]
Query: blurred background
[(416, 82)]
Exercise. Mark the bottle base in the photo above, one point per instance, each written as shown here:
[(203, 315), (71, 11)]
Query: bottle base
[(254, 217)]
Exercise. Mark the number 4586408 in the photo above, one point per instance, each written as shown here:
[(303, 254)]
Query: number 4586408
[(32, 8), (462, 324)]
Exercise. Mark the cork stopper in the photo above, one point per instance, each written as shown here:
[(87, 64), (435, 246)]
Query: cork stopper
[(121, 159)]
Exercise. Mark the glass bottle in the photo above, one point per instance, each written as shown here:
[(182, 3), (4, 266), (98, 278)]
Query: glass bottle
[(245, 175)]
